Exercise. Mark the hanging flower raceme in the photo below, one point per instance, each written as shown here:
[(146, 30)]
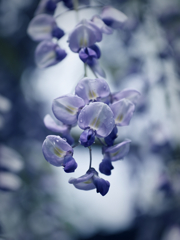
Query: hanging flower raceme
[(43, 27), (48, 54), (85, 34), (91, 181), (112, 154), (59, 153), (95, 110)]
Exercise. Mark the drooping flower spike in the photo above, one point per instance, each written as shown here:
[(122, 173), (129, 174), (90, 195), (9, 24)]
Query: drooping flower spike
[(48, 54), (97, 120), (91, 181), (85, 34), (59, 153), (112, 154), (93, 107), (67, 107), (61, 128), (113, 17), (43, 27), (92, 89)]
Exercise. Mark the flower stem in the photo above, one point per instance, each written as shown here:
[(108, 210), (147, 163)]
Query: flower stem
[(85, 70), (90, 155)]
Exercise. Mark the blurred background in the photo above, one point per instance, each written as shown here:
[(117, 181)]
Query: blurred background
[(143, 203)]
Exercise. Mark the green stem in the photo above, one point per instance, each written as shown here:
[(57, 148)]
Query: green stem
[(85, 70), (90, 154)]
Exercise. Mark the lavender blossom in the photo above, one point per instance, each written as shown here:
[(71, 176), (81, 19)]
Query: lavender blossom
[(59, 153), (66, 108), (84, 35), (46, 6), (113, 17), (92, 89), (113, 153), (44, 27), (48, 54), (91, 181), (130, 94), (123, 111), (101, 25)]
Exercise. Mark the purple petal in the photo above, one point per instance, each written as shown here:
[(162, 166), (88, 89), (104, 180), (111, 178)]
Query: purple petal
[(123, 111), (130, 94), (102, 186), (66, 108), (48, 54), (97, 116), (105, 167), (84, 182), (53, 126), (55, 149), (69, 164), (41, 27), (101, 25), (109, 140), (46, 6), (85, 34), (113, 17), (92, 89), (87, 137), (118, 151)]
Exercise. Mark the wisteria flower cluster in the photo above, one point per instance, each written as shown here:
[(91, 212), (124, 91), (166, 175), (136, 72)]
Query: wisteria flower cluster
[(92, 107)]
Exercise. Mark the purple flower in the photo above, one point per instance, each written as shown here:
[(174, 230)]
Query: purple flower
[(48, 54), (92, 89), (117, 151), (44, 27), (98, 117), (111, 154), (113, 17), (106, 166), (130, 94), (84, 35), (123, 111), (97, 120), (88, 54), (59, 153), (91, 181), (66, 108), (68, 3), (87, 137), (59, 128), (101, 25), (46, 6)]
